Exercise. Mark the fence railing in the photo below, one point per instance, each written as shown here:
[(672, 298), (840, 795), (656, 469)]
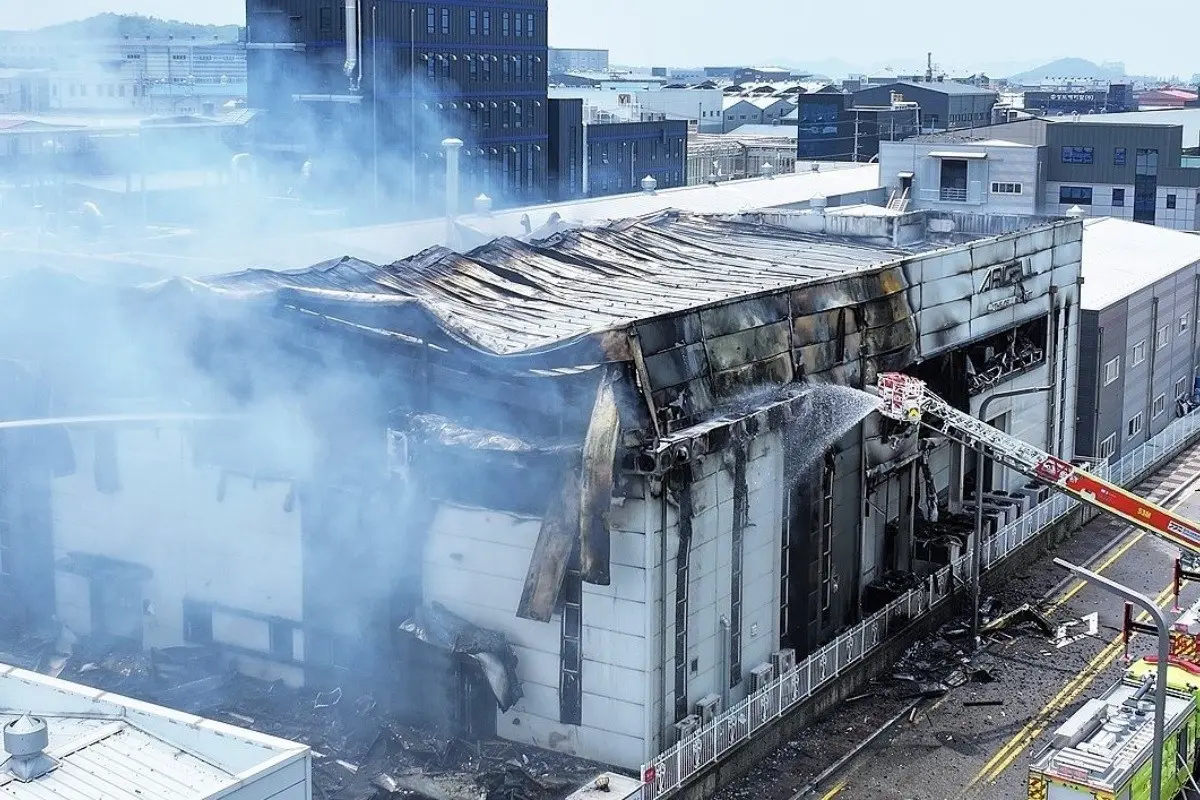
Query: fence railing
[(679, 763)]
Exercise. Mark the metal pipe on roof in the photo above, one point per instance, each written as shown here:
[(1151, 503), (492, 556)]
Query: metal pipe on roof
[(352, 45)]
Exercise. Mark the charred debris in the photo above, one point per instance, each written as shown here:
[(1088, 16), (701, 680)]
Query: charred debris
[(550, 379)]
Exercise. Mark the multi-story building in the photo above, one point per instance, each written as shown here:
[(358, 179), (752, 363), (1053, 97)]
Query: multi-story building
[(595, 153), (374, 91), (749, 109), (1138, 356), (945, 105), (574, 59), (743, 154), (832, 128), (1115, 98), (1129, 166)]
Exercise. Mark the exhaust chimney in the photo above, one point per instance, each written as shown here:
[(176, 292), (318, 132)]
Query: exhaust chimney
[(26, 739), (453, 148), (352, 34)]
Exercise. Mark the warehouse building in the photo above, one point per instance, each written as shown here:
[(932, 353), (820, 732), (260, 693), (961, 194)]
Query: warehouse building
[(75, 741), (945, 105), (1138, 350), (541, 450)]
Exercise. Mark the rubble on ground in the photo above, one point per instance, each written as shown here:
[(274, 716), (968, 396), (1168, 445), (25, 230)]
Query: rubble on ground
[(360, 751)]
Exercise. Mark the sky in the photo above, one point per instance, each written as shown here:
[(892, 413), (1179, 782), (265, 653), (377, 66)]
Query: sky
[(872, 34)]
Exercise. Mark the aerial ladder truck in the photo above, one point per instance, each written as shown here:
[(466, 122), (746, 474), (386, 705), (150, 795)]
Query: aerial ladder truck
[(907, 399), (1073, 765)]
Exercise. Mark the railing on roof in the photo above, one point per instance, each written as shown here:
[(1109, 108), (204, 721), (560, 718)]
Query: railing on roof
[(675, 767)]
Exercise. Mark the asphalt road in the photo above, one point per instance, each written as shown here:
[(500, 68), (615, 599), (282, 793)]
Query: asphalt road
[(950, 751)]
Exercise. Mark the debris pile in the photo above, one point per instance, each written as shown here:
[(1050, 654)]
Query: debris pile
[(361, 751)]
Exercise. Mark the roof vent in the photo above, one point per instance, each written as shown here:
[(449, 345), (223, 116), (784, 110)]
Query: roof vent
[(25, 740), (818, 202), (1076, 212), (483, 205), (649, 184), (767, 169)]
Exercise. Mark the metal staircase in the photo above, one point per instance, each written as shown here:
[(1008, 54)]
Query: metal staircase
[(899, 201)]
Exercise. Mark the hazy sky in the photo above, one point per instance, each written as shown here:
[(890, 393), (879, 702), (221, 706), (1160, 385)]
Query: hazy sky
[(870, 32)]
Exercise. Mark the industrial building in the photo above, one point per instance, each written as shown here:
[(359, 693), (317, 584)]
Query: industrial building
[(752, 109), (574, 59), (341, 89), (1067, 100), (62, 739), (945, 105), (1130, 166), (593, 153), (746, 153), (1138, 355), (833, 128), (424, 467)]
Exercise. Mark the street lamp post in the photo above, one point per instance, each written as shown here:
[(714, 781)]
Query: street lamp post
[(977, 550), (1164, 655)]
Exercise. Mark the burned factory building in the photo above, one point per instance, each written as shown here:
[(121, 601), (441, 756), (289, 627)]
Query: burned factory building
[(571, 492)]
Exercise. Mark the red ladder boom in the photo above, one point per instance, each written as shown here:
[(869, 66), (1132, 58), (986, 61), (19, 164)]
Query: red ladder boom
[(907, 399)]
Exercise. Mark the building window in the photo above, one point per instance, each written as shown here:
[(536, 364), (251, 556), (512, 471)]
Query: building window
[(1112, 370), (1163, 337), (1078, 155), (1135, 425), (1139, 353), (1184, 322), (1118, 198), (445, 22), (1119, 156), (1006, 188), (1160, 405), (1108, 447), (326, 19), (1171, 200), (197, 622), (430, 66), (504, 29), (429, 20), (487, 23), (1180, 387), (1075, 195), (529, 25), (520, 25), (473, 22)]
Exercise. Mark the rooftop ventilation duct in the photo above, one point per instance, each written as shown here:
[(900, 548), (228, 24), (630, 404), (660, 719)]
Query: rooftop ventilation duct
[(649, 184), (1076, 212), (26, 739), (352, 43)]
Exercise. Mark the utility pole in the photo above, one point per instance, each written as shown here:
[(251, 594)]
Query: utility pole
[(857, 116)]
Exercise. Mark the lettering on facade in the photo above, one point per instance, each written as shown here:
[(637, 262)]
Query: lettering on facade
[(1004, 276), (1073, 98)]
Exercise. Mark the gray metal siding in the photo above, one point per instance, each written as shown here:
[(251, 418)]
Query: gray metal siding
[(1104, 138), (1114, 332), (1086, 443)]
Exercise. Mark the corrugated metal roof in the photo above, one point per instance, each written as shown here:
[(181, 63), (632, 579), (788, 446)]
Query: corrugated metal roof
[(116, 761), (509, 297), (1121, 258)]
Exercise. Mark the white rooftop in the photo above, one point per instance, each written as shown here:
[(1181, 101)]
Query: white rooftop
[(110, 747), (1122, 257)]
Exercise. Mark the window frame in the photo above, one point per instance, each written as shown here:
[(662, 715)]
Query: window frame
[(1136, 425), (1110, 445), (1084, 198), (1138, 354), (1162, 337), (1112, 371), (1158, 407), (1120, 156), (1115, 202), (1077, 154), (998, 187), (1185, 321), (1172, 201)]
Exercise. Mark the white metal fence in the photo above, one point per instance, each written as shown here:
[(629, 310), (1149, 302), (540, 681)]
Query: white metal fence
[(676, 766)]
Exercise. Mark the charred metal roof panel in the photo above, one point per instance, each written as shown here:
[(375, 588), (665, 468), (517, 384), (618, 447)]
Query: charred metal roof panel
[(509, 297)]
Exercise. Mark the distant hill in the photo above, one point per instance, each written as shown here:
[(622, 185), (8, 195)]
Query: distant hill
[(1066, 68), (109, 26)]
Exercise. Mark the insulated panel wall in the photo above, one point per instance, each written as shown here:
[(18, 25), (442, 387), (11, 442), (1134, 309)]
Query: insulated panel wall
[(238, 548)]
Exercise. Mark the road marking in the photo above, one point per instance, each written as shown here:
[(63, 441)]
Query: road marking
[(835, 791), (1075, 687), (1007, 754)]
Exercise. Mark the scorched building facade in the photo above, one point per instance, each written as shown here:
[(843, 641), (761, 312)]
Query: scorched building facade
[(593, 523)]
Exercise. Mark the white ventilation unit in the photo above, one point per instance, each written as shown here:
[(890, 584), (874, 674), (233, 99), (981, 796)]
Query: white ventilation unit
[(25, 740), (784, 661), (761, 677), (708, 708), (686, 727)]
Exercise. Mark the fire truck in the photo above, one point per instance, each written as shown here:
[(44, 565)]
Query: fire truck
[(1104, 750)]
